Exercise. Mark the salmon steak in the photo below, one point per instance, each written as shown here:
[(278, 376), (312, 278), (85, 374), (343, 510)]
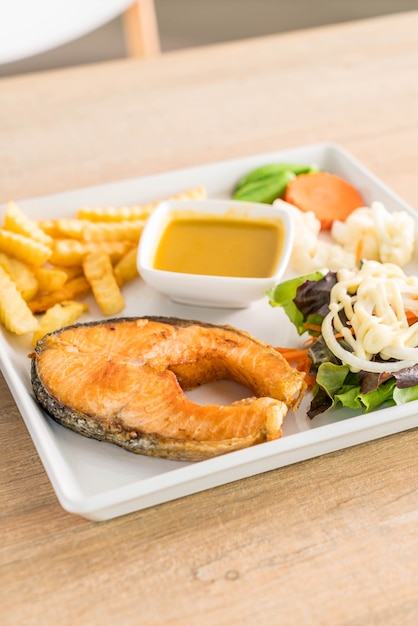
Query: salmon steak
[(123, 381)]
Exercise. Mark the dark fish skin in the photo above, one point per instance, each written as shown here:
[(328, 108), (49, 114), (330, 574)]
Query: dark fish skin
[(71, 366)]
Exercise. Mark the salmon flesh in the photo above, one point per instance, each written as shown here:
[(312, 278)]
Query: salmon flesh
[(123, 381)]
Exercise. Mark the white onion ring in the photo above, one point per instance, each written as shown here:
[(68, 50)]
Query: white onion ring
[(355, 362)]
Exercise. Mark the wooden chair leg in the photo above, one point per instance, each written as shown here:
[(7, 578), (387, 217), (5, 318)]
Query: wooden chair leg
[(141, 29)]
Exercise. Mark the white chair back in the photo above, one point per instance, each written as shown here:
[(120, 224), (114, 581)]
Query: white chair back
[(30, 27)]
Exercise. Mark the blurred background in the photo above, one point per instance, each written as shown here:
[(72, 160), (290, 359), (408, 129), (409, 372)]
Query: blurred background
[(189, 23)]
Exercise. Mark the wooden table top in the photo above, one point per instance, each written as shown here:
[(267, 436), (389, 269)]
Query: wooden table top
[(330, 540)]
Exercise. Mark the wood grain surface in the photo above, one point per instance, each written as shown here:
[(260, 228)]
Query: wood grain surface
[(329, 541)]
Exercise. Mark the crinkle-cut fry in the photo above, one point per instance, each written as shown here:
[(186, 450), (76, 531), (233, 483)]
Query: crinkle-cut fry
[(99, 272), (49, 278), (136, 212), (69, 227), (117, 214), (60, 315), (126, 269), (84, 230), (72, 271), (195, 193), (50, 227), (116, 231), (23, 276), (68, 252), (72, 290), (15, 314), (24, 248), (16, 221)]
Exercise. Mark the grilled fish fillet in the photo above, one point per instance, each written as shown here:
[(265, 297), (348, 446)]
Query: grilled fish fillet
[(123, 381)]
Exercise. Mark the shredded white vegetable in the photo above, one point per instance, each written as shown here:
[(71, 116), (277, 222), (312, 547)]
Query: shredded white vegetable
[(375, 300), (369, 233), (377, 234), (310, 252)]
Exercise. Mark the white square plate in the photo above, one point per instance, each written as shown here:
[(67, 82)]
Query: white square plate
[(99, 480)]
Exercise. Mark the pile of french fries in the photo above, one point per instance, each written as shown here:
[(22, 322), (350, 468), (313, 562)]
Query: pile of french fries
[(47, 267)]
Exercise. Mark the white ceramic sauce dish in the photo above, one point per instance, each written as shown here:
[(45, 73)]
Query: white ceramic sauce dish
[(206, 289)]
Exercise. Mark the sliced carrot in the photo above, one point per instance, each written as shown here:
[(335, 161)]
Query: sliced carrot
[(411, 317), (340, 335), (301, 361), (293, 354), (316, 327), (359, 250), (328, 196)]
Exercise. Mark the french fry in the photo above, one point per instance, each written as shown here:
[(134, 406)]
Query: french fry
[(69, 227), (84, 230), (117, 231), (50, 228), (60, 315), (24, 279), (135, 212), (72, 290), (15, 314), (117, 214), (99, 273), (16, 221), (24, 248), (72, 271), (49, 279), (126, 269), (69, 252)]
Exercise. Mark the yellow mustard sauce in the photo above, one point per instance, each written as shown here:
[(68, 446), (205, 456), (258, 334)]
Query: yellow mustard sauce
[(221, 246)]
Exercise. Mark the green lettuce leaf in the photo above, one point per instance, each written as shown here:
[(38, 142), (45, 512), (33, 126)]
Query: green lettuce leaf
[(407, 394), (355, 399), (343, 388), (284, 294)]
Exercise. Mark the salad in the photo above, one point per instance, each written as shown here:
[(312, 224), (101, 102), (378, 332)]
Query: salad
[(362, 326)]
